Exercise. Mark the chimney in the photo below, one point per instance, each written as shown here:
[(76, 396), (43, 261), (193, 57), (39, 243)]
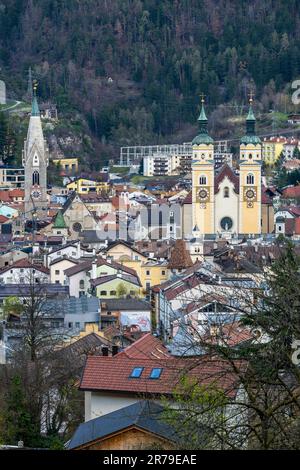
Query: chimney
[(115, 349), (94, 269), (105, 351), (78, 250)]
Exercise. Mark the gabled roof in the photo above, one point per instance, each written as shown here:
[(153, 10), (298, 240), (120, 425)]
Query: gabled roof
[(23, 264), (84, 266), (125, 304), (148, 346), (122, 277), (226, 170), (113, 374), (144, 415), (121, 242)]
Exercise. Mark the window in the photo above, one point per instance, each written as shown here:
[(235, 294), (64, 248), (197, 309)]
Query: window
[(57, 271), (70, 324), (155, 373), (132, 292), (103, 292), (113, 292), (147, 273), (226, 192), (250, 178), (77, 324), (202, 179), (81, 284), (35, 178), (56, 282), (136, 372), (163, 273)]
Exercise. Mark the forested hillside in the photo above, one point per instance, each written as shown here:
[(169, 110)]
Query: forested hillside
[(135, 68)]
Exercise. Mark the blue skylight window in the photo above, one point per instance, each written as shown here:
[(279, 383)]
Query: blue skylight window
[(155, 373), (136, 372)]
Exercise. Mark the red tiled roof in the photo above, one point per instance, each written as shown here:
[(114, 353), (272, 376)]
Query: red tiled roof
[(188, 199), (148, 346), (104, 373), (180, 257), (291, 192), (25, 263), (265, 198), (226, 171), (3, 219)]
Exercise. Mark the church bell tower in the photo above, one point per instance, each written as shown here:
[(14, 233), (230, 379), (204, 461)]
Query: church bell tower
[(35, 161), (250, 178), (203, 178)]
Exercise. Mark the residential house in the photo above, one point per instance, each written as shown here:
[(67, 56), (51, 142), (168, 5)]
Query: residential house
[(24, 272), (116, 285), (126, 312), (137, 426), (121, 251), (132, 379), (58, 267)]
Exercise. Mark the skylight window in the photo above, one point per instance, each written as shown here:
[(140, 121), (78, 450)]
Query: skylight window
[(155, 373), (136, 372)]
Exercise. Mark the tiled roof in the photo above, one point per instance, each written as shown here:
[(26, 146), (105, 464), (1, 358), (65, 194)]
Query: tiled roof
[(85, 266), (3, 219), (24, 263), (226, 170), (113, 374), (148, 346), (122, 277), (125, 304), (291, 192), (180, 257), (145, 415)]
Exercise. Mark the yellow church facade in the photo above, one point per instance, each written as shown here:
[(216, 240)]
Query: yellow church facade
[(227, 202)]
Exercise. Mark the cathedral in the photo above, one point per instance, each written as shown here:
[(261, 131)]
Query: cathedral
[(35, 161), (225, 203)]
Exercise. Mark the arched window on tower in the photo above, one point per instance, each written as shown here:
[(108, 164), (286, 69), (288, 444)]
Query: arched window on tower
[(250, 178), (202, 179), (35, 178), (226, 191)]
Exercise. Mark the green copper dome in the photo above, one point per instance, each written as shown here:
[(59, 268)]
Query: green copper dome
[(250, 137), (202, 137), (59, 220)]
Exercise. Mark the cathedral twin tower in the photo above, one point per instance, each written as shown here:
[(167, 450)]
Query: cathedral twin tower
[(222, 203), (226, 203)]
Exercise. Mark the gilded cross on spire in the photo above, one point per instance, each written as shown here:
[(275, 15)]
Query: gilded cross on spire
[(202, 96), (35, 85), (251, 96)]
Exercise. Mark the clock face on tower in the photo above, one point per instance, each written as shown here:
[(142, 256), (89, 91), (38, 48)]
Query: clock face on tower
[(203, 194), (250, 194), (36, 194)]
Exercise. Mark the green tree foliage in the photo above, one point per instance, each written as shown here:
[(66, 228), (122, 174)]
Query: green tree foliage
[(135, 69), (7, 139)]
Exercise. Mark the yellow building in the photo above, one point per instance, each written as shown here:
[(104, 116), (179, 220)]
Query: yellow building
[(69, 165), (151, 273), (84, 185), (272, 148), (223, 202)]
